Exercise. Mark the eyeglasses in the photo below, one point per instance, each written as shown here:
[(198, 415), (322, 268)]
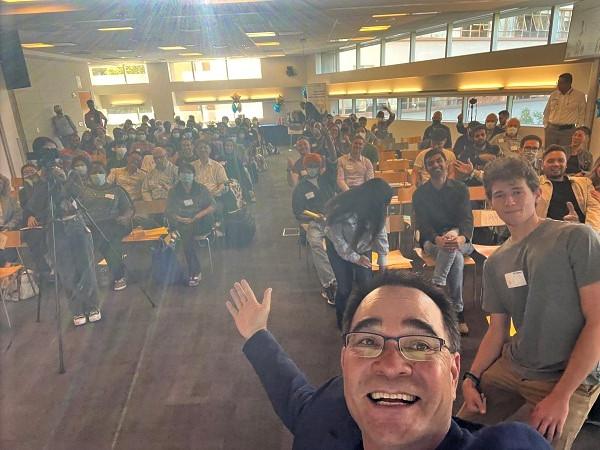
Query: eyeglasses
[(412, 347)]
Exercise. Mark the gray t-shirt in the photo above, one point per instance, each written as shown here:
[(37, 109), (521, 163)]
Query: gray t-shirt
[(545, 270)]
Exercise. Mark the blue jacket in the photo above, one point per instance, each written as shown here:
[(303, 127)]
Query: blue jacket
[(319, 418)]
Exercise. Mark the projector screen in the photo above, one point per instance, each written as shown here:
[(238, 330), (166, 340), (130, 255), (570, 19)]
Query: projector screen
[(584, 37)]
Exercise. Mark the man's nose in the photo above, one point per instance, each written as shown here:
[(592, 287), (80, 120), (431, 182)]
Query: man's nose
[(391, 362)]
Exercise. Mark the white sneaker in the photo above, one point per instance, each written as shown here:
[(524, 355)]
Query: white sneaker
[(94, 316), (79, 320)]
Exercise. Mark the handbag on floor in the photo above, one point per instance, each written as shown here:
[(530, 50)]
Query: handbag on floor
[(22, 286)]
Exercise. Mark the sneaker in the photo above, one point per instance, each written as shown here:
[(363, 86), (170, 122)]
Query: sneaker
[(94, 316), (120, 284), (328, 293), (194, 280), (79, 320)]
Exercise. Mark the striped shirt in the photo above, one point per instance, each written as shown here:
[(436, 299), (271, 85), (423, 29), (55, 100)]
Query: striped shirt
[(354, 172)]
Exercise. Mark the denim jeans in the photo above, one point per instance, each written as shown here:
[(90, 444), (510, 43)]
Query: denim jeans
[(345, 274), (188, 232), (76, 265), (449, 267), (315, 236), (112, 250)]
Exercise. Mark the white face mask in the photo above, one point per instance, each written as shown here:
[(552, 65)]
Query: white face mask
[(120, 151), (511, 131), (490, 125)]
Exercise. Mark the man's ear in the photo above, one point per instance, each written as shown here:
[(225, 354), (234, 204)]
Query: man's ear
[(455, 372)]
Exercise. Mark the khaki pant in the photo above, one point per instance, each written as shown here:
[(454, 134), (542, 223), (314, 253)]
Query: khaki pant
[(510, 397), (552, 135)]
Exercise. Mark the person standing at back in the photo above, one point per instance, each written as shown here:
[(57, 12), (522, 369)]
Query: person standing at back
[(94, 118), (63, 126), (565, 110)]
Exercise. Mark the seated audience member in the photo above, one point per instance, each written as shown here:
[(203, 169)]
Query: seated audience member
[(445, 223), (467, 136), (34, 236), (355, 228), (10, 219), (98, 153), (436, 124), (369, 151), (70, 151), (354, 169), (544, 277), (362, 123), (509, 141), (159, 180), (87, 142), (595, 177), (381, 128), (130, 177), (531, 151), (100, 133), (503, 117), (437, 138), (79, 171), (311, 194), (112, 211), (344, 140), (580, 159), (235, 170), (209, 173), (391, 395), (478, 150), (141, 143), (189, 209), (186, 152), (491, 126), (117, 158), (564, 197)]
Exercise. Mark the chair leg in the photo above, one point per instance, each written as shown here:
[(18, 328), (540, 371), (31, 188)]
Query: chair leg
[(5, 309), (212, 269)]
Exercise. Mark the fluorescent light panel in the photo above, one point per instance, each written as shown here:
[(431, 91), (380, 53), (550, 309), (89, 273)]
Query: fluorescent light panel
[(261, 34), (190, 54), (266, 44), (36, 45), (174, 47), (374, 28), (115, 29)]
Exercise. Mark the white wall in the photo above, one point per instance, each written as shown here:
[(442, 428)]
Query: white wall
[(11, 155)]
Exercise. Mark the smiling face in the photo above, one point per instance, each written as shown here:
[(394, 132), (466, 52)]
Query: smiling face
[(437, 166), (514, 201), (555, 165), (425, 390)]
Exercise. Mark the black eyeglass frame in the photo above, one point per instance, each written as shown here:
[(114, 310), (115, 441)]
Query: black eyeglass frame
[(442, 343)]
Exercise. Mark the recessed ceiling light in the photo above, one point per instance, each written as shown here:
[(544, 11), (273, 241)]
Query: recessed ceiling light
[(424, 13), (174, 47), (37, 45), (340, 40), (375, 28), (266, 44), (383, 16), (115, 29), (360, 39), (261, 34), (190, 54)]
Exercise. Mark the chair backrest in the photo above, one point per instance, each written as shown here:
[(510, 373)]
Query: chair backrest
[(405, 194), (386, 154), (414, 139), (13, 239), (152, 207), (411, 155), (477, 193), (486, 218), (393, 176), (394, 164)]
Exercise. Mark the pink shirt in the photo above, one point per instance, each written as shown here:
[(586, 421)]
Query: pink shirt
[(354, 172)]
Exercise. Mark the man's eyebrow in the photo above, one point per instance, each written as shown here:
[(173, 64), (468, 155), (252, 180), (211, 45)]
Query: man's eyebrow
[(366, 323), (420, 325)]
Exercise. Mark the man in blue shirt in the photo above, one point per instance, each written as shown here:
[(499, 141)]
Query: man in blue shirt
[(400, 366)]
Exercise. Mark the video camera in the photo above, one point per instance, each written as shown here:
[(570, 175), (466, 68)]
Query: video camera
[(44, 158)]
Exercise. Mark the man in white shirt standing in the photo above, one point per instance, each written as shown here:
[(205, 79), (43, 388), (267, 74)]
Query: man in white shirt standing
[(564, 111)]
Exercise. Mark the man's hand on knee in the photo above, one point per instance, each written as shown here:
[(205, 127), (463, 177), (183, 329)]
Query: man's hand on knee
[(549, 416)]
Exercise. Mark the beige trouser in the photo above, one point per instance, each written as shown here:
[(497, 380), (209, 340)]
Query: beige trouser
[(510, 397), (552, 135)]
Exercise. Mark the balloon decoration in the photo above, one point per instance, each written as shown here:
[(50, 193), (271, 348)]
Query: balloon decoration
[(278, 104), (236, 106)]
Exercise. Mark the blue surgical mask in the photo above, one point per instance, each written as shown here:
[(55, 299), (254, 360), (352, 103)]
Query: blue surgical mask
[(187, 178), (98, 179), (80, 170)]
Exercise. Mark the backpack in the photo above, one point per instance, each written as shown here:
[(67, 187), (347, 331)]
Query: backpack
[(166, 269), (239, 228)]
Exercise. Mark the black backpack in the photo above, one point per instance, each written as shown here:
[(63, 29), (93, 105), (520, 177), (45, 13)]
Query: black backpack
[(239, 228)]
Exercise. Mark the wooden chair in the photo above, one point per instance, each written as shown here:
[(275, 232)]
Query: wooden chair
[(394, 164), (154, 207), (393, 176), (6, 273), (395, 260), (386, 154), (477, 193), (411, 155)]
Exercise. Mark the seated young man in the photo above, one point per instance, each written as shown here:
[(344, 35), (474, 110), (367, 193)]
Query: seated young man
[(437, 138), (130, 177), (445, 223), (546, 278), (112, 212), (400, 368), (566, 197)]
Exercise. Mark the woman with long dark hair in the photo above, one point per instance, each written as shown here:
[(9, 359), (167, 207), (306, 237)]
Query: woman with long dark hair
[(355, 228)]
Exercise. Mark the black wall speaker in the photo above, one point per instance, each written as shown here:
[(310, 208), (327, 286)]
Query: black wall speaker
[(290, 71), (12, 60)]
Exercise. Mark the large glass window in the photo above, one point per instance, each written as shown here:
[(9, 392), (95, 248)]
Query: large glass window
[(413, 108), (529, 109), (347, 59), (485, 105), (473, 36), (370, 56), (364, 107), (397, 51), (430, 45), (450, 107), (117, 115), (523, 28), (181, 71), (244, 68), (345, 106), (210, 69), (391, 103), (121, 74), (213, 112), (563, 23), (327, 62)]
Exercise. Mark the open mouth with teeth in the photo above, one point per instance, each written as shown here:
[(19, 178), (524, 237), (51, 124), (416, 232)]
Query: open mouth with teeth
[(392, 399)]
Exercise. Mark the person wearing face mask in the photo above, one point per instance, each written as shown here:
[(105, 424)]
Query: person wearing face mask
[(141, 143), (311, 194), (118, 157), (79, 170), (98, 153), (175, 137), (436, 124), (161, 178), (235, 169), (112, 211), (354, 169), (190, 209), (209, 173), (491, 126), (509, 141), (71, 151), (129, 177)]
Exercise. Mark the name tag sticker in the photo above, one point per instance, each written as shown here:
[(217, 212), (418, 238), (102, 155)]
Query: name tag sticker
[(309, 195), (188, 202), (515, 279), (514, 148), (109, 196)]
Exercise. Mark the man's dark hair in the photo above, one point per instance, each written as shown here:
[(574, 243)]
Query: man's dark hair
[(27, 166), (566, 76), (81, 159), (97, 165), (187, 167), (431, 153), (90, 103), (409, 280), (380, 114), (437, 135), (504, 112), (509, 169), (531, 137), (478, 127), (585, 129), (555, 148)]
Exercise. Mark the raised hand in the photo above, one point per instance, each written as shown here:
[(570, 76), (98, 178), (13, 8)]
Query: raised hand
[(571, 215), (249, 315)]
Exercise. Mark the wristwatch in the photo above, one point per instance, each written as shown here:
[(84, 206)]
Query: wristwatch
[(474, 378)]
